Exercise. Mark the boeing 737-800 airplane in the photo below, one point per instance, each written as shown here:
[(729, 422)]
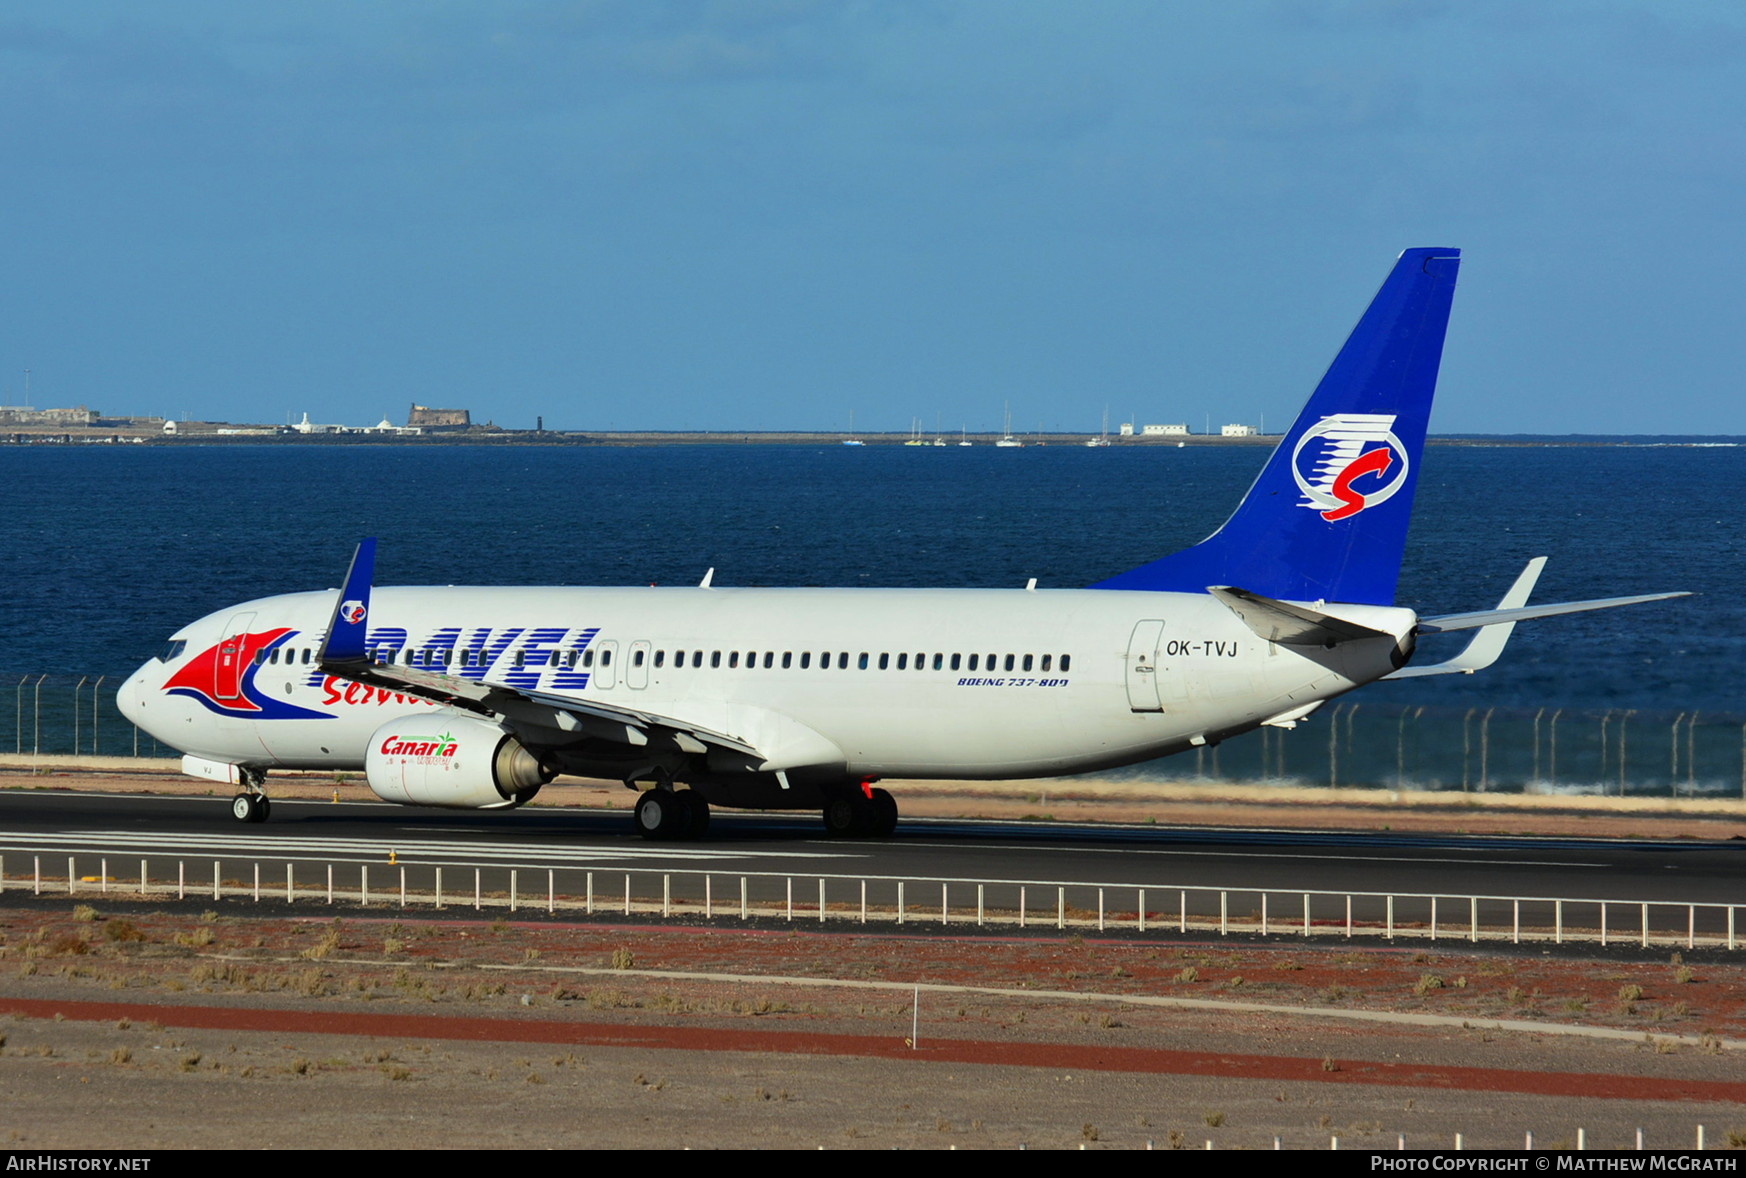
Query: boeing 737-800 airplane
[(804, 698)]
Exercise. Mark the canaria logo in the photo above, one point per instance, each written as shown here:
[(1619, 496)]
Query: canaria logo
[(1347, 463)]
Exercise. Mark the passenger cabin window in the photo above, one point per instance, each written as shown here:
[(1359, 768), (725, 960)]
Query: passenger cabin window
[(863, 660), (660, 657), (805, 659), (715, 658), (637, 657)]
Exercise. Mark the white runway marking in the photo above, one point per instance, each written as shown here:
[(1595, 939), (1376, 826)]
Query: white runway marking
[(372, 850)]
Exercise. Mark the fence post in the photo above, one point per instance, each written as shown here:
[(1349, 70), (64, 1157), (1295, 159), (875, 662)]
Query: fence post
[(1485, 751), (78, 690)]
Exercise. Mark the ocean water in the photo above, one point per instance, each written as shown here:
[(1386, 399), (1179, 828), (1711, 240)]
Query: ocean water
[(107, 550)]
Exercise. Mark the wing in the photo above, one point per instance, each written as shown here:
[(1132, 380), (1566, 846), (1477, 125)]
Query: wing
[(773, 743)]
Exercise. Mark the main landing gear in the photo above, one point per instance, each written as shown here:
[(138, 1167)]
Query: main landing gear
[(251, 805), (866, 813), (664, 814)]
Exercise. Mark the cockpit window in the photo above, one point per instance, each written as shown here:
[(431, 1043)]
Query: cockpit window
[(173, 652)]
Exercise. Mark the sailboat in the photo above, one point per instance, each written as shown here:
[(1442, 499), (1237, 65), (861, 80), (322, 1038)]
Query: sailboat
[(852, 440), (1103, 438), (1007, 441)]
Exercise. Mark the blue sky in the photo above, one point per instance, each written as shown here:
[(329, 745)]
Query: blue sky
[(771, 213)]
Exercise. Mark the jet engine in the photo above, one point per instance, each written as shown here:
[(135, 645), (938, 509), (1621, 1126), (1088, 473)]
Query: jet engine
[(453, 760)]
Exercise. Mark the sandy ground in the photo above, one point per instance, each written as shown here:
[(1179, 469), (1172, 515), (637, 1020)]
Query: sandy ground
[(134, 1027)]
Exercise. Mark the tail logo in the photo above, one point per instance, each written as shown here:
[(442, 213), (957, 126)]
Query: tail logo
[(352, 612), (1347, 463)]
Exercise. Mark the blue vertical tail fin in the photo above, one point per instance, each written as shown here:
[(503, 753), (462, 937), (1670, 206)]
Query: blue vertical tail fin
[(1327, 518)]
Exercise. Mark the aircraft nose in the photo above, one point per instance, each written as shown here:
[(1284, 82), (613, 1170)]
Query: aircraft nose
[(130, 698)]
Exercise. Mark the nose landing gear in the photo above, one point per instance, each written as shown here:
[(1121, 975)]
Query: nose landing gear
[(251, 805)]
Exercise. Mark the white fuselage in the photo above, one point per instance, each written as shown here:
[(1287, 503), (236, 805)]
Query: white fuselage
[(888, 683)]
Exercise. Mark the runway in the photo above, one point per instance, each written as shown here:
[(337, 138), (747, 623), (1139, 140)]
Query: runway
[(1058, 864)]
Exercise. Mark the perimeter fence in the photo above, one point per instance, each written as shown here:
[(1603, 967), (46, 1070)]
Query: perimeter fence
[(1378, 746), (1162, 907)]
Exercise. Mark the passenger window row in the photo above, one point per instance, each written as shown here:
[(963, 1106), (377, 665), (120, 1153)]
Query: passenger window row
[(733, 660)]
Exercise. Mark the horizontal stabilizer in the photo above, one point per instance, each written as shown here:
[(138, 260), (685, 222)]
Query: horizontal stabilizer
[(1492, 617), (1485, 647), (1293, 625)]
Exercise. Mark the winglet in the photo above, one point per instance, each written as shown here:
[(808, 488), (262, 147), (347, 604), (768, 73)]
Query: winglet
[(346, 629)]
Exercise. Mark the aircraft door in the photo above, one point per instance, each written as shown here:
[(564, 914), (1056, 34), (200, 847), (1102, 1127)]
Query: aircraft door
[(636, 671), (1143, 666), (228, 672), (605, 673)]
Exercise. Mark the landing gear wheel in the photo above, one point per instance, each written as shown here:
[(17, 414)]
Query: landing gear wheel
[(663, 814), (882, 814), (698, 827), (652, 810), (846, 816), (249, 808)]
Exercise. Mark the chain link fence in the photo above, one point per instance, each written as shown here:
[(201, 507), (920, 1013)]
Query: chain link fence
[(1614, 752)]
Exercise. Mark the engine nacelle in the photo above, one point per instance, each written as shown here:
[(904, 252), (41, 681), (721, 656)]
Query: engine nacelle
[(454, 760)]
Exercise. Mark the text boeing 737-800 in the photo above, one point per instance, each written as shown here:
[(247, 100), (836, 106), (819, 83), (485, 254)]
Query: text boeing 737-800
[(803, 698)]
